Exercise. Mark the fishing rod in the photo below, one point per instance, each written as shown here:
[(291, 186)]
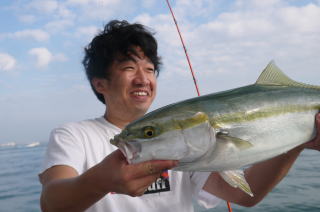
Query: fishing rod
[(184, 48), (190, 66)]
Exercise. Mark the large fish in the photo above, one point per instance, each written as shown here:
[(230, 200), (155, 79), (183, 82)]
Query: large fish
[(229, 130)]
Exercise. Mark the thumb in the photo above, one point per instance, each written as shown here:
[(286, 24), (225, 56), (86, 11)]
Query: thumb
[(117, 156)]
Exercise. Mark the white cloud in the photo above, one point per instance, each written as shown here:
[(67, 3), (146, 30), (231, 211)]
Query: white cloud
[(43, 56), (97, 2), (44, 6), (7, 62), (257, 3), (51, 8), (58, 26), (251, 37), (29, 19), (188, 9), (64, 12), (149, 3), (59, 57), (304, 19), (101, 9), (144, 18), (36, 34), (239, 25), (78, 2), (87, 31)]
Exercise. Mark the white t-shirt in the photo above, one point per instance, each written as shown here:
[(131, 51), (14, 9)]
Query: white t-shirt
[(84, 144)]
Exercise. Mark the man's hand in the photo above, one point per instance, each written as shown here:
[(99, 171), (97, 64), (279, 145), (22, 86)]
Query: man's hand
[(65, 190), (130, 179), (315, 143)]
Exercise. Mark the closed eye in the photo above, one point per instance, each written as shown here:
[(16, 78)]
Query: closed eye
[(128, 68), (150, 69)]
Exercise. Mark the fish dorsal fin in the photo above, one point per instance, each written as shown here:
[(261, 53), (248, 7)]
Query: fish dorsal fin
[(272, 75)]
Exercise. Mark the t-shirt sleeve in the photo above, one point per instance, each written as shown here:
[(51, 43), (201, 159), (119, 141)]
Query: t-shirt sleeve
[(64, 148), (203, 198)]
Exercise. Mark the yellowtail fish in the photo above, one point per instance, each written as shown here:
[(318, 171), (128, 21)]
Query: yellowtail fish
[(229, 130)]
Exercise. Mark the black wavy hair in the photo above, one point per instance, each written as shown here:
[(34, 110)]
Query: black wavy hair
[(119, 38)]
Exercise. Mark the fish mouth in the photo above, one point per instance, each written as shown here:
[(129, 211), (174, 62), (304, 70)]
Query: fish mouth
[(131, 150)]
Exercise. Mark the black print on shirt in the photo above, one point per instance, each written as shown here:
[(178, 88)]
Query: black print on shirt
[(162, 184)]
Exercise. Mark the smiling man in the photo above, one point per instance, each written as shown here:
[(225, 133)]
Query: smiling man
[(83, 172), (132, 89)]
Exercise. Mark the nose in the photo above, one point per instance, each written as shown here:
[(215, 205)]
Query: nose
[(141, 78)]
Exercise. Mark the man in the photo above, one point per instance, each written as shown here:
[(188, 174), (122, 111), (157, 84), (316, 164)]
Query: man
[(83, 171)]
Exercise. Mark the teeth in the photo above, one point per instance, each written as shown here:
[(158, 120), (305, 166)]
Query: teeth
[(141, 93)]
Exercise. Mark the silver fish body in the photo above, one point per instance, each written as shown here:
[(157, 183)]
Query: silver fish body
[(227, 130)]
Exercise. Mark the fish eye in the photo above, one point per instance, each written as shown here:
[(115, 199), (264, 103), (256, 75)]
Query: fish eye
[(148, 132)]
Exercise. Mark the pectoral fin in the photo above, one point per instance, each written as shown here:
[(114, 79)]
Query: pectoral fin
[(236, 179), (238, 142)]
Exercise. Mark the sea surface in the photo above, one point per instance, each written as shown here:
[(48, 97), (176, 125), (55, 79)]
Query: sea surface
[(20, 188)]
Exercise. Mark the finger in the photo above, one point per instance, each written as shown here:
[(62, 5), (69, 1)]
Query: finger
[(138, 187), (151, 167), (146, 181), (317, 137), (315, 142), (164, 164), (318, 123), (119, 154), (141, 192)]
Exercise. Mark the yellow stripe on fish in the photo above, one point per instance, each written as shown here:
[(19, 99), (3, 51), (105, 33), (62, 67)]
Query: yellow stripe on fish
[(245, 116)]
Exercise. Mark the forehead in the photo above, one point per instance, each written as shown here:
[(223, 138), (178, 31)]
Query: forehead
[(135, 55)]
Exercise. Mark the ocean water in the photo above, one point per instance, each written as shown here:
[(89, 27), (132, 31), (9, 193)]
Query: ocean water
[(19, 185), (20, 188)]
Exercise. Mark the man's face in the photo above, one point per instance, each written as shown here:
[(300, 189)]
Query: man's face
[(131, 87)]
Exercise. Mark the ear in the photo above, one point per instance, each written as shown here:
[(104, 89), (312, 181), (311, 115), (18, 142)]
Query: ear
[(100, 85)]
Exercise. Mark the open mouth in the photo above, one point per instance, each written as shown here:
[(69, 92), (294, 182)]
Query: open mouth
[(140, 93), (131, 150)]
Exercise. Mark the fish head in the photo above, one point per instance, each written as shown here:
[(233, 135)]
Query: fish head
[(175, 137)]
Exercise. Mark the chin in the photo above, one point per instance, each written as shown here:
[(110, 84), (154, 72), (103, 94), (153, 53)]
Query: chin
[(141, 110)]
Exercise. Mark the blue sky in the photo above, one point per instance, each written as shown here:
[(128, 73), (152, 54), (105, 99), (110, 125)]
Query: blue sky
[(42, 83)]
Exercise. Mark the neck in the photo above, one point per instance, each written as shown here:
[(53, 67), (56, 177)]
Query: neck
[(119, 120)]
